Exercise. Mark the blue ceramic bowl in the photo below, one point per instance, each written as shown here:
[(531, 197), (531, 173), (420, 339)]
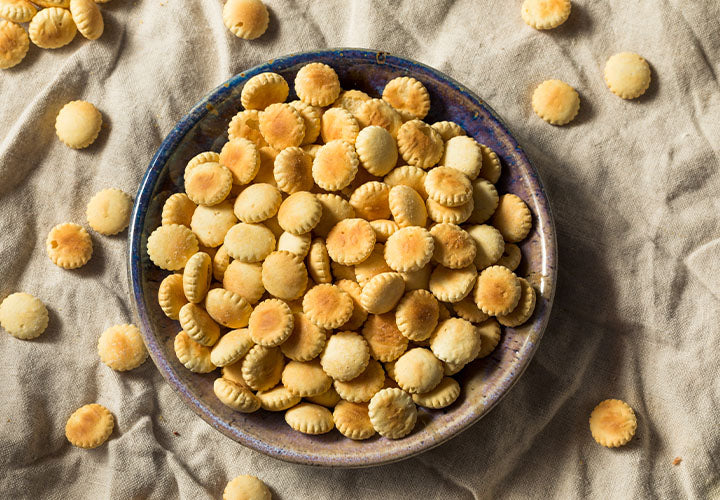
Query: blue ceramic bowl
[(484, 382)]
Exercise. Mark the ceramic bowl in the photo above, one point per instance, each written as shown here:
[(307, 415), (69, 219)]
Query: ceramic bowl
[(484, 382)]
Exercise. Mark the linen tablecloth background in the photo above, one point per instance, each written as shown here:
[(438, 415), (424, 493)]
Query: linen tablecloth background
[(634, 188)]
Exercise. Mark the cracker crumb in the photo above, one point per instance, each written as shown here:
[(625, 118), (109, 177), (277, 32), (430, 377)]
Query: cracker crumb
[(677, 461)]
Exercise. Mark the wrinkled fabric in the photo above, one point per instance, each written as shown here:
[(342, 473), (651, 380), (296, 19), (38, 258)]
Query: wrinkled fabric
[(634, 188)]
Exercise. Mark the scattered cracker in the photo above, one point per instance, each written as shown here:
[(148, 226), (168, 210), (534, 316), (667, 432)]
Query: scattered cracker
[(392, 413), (489, 245), (417, 315), (271, 323), (454, 215), (545, 14), (497, 291), (246, 19), (299, 213), (52, 28), (382, 292), (246, 488), (241, 157), (284, 275), (335, 165), (257, 203), (309, 418), (235, 396), (350, 241), (171, 295), (121, 347), (376, 150), (627, 75), (453, 246), (485, 200), (108, 211), (17, 11), (452, 285), (408, 175), (556, 102), (23, 316), (282, 126), (262, 367), (448, 130), (246, 125), (383, 337), (345, 356), (524, 308), (264, 89), (69, 245), (407, 94), (409, 249), (198, 324), (88, 18), (353, 421), (293, 170), (231, 347), (419, 144), (677, 461), (211, 224), (197, 276), (512, 218), (380, 113), (89, 426), (279, 398), (407, 206), (383, 229), (442, 396), (455, 341), (245, 280), (249, 242), (613, 423), (78, 123), (306, 340), (338, 124), (418, 371), (305, 378), (14, 43), (489, 331), (193, 356), (327, 306), (227, 308), (317, 84)]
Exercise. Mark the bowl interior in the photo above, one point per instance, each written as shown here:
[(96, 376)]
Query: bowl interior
[(483, 382)]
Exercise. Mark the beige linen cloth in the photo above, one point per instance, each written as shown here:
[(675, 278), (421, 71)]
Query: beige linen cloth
[(635, 191)]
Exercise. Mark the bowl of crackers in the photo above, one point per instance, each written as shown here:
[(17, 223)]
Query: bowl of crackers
[(341, 258)]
